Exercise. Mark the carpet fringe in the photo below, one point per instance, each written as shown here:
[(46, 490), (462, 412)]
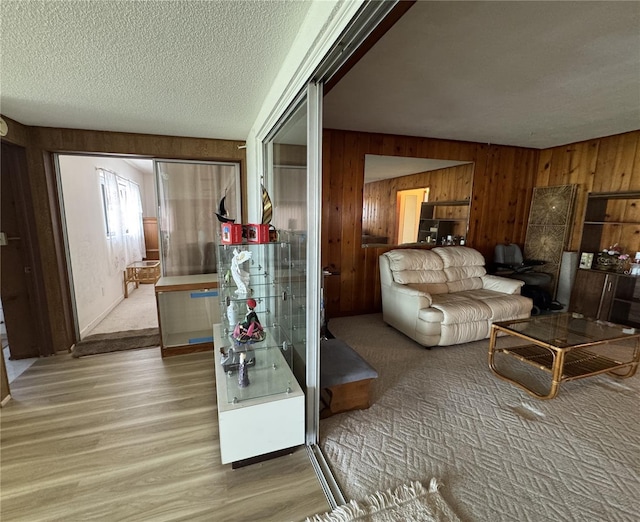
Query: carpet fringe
[(384, 500), (380, 501), (345, 513)]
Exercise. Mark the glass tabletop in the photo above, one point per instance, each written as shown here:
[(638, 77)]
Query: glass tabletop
[(567, 330), (143, 264)]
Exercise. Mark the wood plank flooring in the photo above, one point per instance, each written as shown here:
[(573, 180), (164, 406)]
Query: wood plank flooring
[(130, 436)]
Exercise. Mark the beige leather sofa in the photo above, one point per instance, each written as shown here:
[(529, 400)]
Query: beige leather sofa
[(444, 296)]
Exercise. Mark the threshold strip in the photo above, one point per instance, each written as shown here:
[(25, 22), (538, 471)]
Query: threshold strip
[(327, 481)]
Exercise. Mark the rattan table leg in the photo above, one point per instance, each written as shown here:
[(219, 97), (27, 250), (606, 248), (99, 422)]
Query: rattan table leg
[(557, 370)]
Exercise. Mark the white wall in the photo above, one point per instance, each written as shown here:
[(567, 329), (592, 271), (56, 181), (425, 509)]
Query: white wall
[(97, 290), (325, 21)]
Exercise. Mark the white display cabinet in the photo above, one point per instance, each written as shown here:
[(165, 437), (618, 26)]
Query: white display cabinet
[(263, 418), (266, 416), (187, 306)]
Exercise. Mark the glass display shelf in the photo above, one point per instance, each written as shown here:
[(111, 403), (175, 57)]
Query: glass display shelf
[(255, 283), (269, 371), (262, 271)]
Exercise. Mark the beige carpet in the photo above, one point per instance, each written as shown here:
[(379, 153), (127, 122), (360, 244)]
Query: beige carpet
[(500, 454), (136, 312)]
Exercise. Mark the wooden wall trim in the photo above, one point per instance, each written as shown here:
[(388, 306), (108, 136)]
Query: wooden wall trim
[(153, 146), (16, 132)]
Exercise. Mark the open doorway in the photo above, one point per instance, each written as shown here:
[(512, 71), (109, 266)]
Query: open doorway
[(409, 205), (109, 207)]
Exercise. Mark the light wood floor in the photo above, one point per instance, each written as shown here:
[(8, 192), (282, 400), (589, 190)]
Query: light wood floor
[(129, 436)]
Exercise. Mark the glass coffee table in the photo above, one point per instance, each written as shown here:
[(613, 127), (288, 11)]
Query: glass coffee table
[(566, 347)]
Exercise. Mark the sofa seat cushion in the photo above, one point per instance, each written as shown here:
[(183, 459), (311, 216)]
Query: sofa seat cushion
[(460, 308), (503, 306), (463, 332)]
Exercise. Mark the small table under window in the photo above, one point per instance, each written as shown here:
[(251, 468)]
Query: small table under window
[(146, 272)]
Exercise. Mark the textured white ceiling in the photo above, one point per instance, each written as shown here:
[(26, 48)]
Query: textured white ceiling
[(534, 74), (186, 68)]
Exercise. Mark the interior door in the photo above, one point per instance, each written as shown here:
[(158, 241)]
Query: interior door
[(17, 284)]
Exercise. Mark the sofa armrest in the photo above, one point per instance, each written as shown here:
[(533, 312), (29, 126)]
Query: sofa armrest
[(501, 284), (405, 291)]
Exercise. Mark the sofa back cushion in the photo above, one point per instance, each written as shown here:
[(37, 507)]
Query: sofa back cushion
[(463, 267), (421, 269)]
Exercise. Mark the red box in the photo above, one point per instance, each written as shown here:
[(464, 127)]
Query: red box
[(257, 233), (231, 234)]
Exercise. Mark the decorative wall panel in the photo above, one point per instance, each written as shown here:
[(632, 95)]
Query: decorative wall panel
[(550, 221)]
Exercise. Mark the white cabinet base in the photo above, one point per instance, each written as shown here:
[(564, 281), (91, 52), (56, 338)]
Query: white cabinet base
[(254, 427)]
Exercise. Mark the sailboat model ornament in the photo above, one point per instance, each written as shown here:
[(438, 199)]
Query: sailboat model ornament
[(267, 215), (267, 208), (252, 233), (223, 213)]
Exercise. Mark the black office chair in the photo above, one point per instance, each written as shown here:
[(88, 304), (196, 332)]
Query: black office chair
[(509, 262)]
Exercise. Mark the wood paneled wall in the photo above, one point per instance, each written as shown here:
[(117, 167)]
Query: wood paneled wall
[(503, 181), (608, 164), (501, 194), (41, 143), (380, 207)]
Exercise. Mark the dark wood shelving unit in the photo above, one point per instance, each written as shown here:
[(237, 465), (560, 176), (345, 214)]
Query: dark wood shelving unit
[(433, 227), (607, 216), (610, 217)]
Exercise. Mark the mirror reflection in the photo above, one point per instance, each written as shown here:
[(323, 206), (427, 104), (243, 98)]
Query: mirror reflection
[(415, 201)]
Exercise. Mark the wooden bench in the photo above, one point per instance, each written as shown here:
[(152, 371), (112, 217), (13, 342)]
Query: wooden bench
[(345, 378)]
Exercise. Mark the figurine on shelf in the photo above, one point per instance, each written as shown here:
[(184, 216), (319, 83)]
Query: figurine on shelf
[(223, 215), (233, 312), (243, 371), (250, 330), (241, 277)]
